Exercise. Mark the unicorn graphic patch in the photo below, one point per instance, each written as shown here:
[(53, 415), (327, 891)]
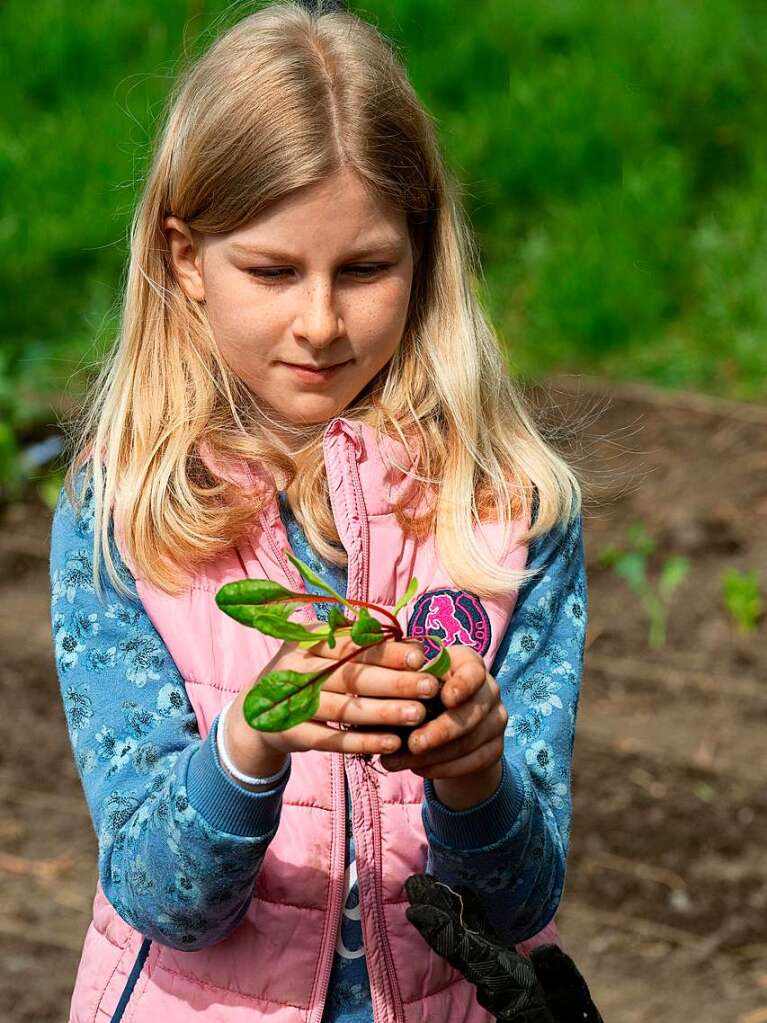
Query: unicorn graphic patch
[(456, 616)]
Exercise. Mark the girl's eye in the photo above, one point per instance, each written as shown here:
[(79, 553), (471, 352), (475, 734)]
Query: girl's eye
[(368, 271), (268, 275), (277, 273)]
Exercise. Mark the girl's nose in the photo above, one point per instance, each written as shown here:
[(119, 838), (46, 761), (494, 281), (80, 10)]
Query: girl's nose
[(318, 320)]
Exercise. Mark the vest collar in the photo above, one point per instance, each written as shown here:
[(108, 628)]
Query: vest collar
[(381, 462)]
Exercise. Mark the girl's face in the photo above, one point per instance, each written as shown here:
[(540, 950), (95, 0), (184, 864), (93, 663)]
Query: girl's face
[(323, 277)]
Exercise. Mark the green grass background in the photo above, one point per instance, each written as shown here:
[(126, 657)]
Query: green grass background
[(613, 159)]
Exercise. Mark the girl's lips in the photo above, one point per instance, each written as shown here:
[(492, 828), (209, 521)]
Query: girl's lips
[(313, 376)]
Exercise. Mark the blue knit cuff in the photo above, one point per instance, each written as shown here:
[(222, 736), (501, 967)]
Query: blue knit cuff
[(483, 825), (224, 804)]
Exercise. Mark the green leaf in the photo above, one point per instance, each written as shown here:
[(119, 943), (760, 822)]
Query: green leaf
[(412, 586), (250, 614), (311, 577), (366, 629), (632, 568), (319, 632), (440, 664), (336, 620), (609, 556), (325, 632), (640, 539), (283, 699), (672, 574), (704, 791), (742, 597), (272, 621), (252, 591)]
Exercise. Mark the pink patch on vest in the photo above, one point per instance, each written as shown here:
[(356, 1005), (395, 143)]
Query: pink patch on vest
[(455, 616)]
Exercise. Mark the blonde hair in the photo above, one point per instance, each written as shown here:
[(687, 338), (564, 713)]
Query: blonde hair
[(279, 101)]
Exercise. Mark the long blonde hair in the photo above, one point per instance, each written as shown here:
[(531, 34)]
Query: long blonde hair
[(279, 101)]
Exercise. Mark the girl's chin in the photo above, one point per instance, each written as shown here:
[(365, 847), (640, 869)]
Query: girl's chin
[(310, 410), (312, 407)]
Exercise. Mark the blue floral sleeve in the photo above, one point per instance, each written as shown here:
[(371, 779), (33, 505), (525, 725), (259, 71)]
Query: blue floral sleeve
[(179, 842), (512, 849)]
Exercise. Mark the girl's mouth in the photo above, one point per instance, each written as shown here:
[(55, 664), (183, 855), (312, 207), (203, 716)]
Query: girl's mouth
[(315, 376)]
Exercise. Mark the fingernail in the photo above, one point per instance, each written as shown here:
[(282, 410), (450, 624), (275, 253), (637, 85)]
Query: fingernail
[(391, 742), (411, 714), (426, 688), (420, 742), (415, 659)]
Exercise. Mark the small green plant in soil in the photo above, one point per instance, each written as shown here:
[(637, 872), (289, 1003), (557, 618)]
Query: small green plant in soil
[(283, 699), (631, 564), (741, 595)]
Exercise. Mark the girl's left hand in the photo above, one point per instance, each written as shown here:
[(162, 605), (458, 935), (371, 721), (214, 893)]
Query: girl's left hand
[(468, 736)]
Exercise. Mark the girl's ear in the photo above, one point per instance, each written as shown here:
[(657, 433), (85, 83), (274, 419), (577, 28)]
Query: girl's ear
[(185, 257)]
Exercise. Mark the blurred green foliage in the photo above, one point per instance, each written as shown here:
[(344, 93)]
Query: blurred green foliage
[(613, 159), (654, 590), (742, 596)]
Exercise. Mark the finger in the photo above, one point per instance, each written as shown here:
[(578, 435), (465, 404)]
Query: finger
[(312, 735), (359, 710), (491, 727), (373, 680), (467, 673), (461, 657), (484, 756), (454, 722), (390, 653)]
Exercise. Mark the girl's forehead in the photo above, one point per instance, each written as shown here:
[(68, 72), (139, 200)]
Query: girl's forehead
[(340, 205)]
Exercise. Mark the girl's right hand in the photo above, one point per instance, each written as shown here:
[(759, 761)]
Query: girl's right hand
[(377, 688)]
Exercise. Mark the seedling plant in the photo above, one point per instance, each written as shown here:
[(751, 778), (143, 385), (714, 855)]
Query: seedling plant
[(742, 597), (283, 699), (632, 566)]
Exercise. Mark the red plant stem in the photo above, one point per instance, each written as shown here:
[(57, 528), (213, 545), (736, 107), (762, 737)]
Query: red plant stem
[(349, 657), (310, 598), (375, 607)]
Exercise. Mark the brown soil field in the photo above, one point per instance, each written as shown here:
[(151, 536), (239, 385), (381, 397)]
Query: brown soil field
[(665, 902)]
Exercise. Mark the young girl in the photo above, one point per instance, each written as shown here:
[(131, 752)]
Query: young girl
[(303, 365)]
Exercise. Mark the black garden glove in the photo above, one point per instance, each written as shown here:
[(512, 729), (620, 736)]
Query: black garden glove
[(567, 995), (506, 982), (545, 988)]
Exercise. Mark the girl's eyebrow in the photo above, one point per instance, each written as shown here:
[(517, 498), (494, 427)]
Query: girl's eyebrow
[(391, 246)]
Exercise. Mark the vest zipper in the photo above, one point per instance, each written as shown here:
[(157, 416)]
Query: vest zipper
[(387, 1001), (338, 842), (337, 858), (384, 988), (294, 576)]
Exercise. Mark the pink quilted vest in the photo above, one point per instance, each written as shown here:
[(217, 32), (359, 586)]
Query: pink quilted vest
[(276, 965)]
